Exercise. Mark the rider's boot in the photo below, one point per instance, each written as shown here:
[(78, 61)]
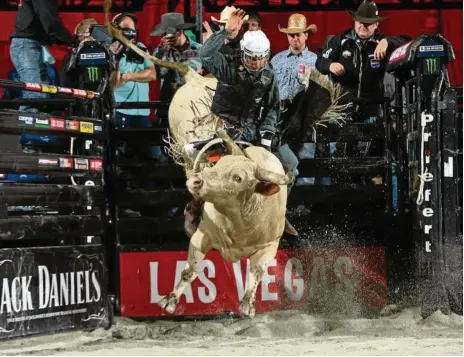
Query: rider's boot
[(192, 214)]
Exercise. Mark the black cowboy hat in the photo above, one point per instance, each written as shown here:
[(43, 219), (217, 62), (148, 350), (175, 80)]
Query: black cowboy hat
[(173, 20), (367, 13)]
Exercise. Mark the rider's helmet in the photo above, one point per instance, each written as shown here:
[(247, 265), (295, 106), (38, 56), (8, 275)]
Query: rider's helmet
[(256, 49)]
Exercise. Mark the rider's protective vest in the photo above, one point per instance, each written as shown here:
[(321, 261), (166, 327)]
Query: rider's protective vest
[(241, 101)]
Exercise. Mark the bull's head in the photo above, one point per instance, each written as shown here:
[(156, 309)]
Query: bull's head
[(234, 177)]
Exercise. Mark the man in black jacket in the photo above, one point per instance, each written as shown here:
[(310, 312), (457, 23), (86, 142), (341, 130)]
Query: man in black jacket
[(357, 57), (37, 25)]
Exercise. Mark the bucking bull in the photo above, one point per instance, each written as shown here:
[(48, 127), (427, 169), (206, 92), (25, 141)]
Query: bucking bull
[(245, 192)]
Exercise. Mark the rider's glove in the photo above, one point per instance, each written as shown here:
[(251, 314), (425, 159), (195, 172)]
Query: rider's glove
[(266, 139)]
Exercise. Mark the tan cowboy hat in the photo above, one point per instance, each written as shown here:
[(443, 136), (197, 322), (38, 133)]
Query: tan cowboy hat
[(225, 14), (367, 13), (297, 24)]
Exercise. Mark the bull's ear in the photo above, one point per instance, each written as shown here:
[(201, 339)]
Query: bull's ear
[(267, 189)]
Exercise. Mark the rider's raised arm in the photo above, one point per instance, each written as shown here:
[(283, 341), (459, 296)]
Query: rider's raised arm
[(330, 54), (271, 109), (215, 62)]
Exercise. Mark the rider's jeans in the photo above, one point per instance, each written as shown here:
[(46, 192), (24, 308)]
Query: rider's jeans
[(289, 161)]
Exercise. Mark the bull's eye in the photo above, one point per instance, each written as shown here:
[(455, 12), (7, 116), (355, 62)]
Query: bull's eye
[(237, 178)]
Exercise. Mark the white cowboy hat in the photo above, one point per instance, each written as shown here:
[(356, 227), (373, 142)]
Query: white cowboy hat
[(225, 14)]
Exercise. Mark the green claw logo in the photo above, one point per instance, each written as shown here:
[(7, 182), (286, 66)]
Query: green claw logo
[(431, 64), (93, 73)]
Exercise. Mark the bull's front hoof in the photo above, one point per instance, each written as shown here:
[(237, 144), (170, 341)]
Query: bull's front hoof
[(247, 309), (168, 303)]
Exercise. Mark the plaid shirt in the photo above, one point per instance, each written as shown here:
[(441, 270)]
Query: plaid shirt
[(287, 68), (172, 80)]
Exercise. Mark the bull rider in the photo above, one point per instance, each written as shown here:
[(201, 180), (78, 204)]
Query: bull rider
[(246, 98)]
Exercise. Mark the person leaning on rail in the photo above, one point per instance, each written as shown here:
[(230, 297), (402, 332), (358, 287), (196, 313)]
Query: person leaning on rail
[(37, 26), (356, 59), (130, 83)]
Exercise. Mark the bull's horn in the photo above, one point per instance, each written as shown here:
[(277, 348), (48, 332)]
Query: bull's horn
[(269, 176), (232, 147)]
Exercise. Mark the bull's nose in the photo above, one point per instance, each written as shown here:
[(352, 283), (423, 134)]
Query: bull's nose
[(195, 181)]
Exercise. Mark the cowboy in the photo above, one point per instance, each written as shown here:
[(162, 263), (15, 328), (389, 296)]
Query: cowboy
[(356, 58), (174, 46), (246, 99), (289, 65)]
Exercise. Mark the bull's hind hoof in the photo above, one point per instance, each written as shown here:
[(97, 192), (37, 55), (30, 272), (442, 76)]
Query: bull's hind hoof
[(247, 309), (168, 303)]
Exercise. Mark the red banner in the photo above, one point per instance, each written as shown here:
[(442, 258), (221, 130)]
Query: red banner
[(316, 279)]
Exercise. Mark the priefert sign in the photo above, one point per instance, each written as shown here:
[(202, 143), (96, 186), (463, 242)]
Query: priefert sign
[(427, 176)]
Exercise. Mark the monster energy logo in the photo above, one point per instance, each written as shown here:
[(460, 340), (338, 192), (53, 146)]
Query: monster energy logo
[(93, 73), (431, 65)]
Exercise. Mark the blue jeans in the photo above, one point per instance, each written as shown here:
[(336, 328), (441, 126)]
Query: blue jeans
[(308, 151), (26, 56), (289, 161), (143, 151)]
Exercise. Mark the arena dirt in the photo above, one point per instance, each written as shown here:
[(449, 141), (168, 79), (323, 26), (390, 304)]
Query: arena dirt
[(276, 333)]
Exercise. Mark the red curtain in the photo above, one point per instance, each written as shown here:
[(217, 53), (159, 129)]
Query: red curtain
[(410, 22)]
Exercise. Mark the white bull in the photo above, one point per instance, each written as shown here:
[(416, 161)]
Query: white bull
[(243, 216), (245, 193)]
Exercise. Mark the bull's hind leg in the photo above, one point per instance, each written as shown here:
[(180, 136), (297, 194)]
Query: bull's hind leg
[(259, 262), (197, 250)]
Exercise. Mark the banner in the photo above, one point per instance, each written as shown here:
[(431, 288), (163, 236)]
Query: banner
[(318, 280), (44, 290)]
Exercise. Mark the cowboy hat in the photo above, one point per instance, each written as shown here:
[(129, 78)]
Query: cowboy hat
[(170, 19), (225, 14), (297, 24), (367, 13)]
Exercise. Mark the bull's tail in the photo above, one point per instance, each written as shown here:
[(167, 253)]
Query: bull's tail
[(182, 68), (328, 96)]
